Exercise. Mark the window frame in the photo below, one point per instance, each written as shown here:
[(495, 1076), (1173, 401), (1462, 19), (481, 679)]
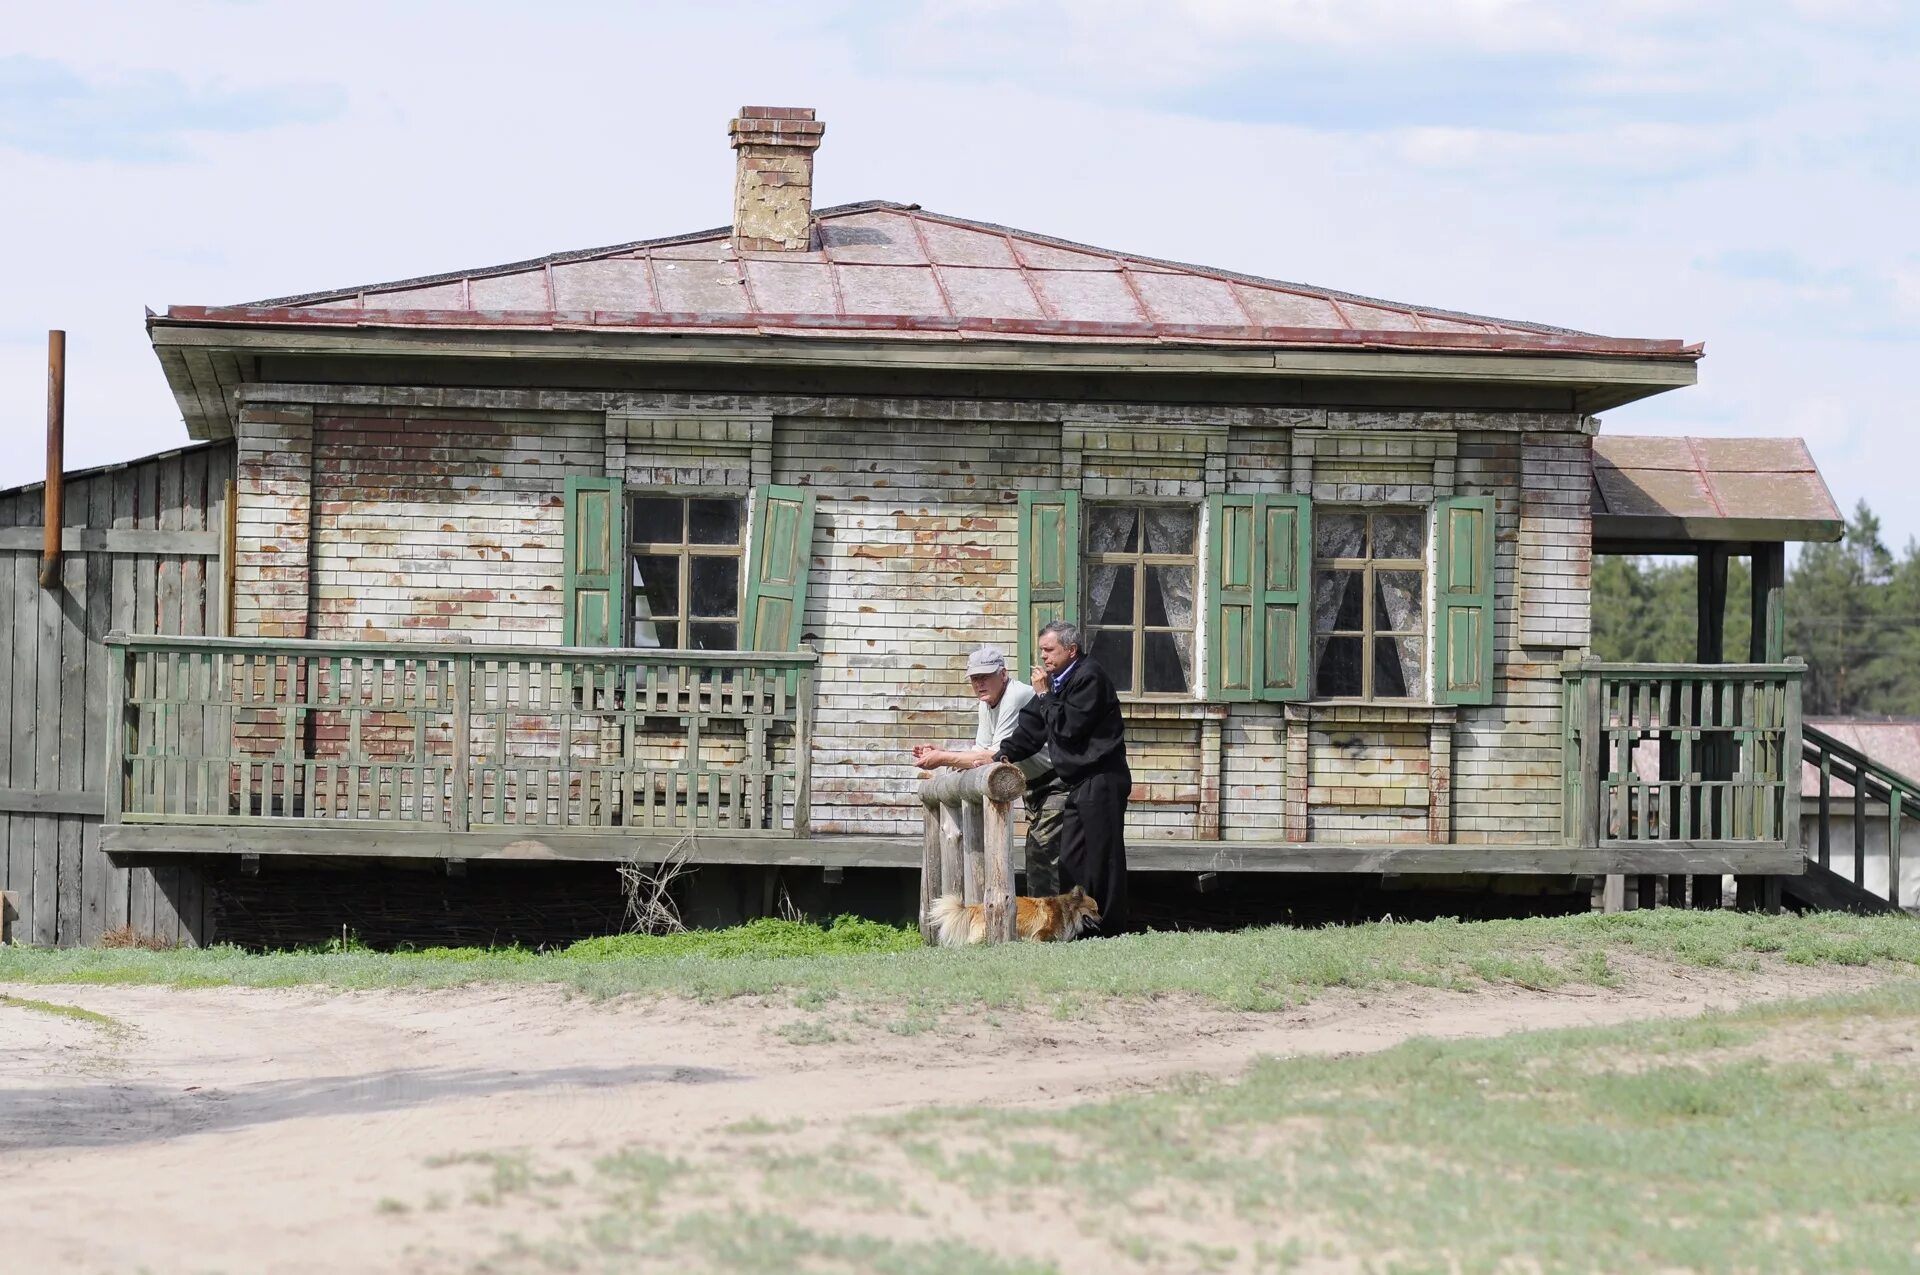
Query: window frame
[(684, 552), (1193, 560), (1368, 633)]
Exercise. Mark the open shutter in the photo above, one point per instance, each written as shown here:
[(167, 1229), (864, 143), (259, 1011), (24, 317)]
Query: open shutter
[(595, 543), (1049, 565), (777, 581), (1463, 655), (1283, 670), (1233, 641)]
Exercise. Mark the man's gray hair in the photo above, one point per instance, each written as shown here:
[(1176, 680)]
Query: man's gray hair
[(1067, 635)]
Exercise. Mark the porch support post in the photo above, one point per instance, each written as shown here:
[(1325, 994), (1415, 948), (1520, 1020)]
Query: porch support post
[(1710, 647), (1711, 643), (1769, 643)]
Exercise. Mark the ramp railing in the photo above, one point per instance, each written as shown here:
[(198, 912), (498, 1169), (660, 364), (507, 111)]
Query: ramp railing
[(1870, 782)]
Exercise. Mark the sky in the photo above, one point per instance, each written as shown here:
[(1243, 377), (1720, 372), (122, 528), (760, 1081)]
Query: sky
[(1740, 172)]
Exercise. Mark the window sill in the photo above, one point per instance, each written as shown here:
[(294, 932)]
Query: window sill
[(1353, 710), (1169, 708)]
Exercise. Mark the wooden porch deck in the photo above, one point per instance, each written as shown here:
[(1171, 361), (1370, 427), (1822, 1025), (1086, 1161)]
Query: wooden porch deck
[(830, 851)]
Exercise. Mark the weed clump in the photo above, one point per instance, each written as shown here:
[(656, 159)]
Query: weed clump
[(767, 937)]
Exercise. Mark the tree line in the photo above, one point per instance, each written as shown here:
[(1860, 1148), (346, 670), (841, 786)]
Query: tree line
[(1853, 613)]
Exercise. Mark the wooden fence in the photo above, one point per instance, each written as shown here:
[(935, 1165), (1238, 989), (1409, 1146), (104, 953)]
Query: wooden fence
[(144, 553), (273, 732), (969, 844)]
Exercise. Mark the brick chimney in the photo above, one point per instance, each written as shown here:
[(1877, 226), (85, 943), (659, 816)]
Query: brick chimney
[(773, 177)]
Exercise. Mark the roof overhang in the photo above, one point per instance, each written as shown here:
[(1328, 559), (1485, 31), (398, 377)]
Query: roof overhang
[(208, 354), (1673, 495)]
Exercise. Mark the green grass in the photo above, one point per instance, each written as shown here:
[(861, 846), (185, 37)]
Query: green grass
[(863, 962), (1656, 1146), (74, 1012)]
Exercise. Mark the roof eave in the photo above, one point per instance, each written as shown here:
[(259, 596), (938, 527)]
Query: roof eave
[(1664, 533), (1601, 376)]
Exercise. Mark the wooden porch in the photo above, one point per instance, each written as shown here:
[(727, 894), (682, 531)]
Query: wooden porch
[(265, 747)]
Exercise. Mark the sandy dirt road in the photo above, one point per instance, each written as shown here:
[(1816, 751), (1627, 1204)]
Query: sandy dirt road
[(260, 1131)]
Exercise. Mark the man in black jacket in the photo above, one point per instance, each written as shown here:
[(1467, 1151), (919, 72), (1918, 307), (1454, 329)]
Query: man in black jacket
[(1075, 713)]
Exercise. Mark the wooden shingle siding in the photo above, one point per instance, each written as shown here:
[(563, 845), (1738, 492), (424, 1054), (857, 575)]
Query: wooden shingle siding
[(431, 525), (1506, 755), (1555, 566), (914, 564), (54, 730)]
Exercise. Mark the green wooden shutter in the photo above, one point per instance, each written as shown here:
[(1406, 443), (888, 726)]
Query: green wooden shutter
[(1233, 642), (1049, 565), (1463, 654), (1282, 669), (777, 581), (595, 544)]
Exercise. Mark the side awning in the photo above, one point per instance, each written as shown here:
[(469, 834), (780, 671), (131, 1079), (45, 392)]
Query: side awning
[(1672, 495)]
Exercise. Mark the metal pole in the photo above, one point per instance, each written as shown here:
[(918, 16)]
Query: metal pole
[(54, 496)]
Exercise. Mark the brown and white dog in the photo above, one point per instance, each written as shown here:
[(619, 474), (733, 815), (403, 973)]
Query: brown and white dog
[(1050, 920)]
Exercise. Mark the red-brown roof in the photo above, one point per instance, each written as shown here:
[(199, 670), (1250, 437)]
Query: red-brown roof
[(895, 270), (1709, 489)]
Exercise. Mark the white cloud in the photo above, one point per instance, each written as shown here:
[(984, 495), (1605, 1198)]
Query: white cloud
[(479, 133)]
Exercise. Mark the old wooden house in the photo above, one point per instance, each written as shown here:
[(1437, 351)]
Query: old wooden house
[(570, 558)]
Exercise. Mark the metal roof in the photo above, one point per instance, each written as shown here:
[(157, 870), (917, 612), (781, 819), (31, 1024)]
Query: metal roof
[(1893, 742), (895, 270), (1654, 493)]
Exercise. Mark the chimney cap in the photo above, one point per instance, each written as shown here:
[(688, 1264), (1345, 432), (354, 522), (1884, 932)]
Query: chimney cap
[(776, 112), (788, 126)]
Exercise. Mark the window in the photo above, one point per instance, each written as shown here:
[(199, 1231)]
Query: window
[(686, 554), (1140, 567), (1369, 604)]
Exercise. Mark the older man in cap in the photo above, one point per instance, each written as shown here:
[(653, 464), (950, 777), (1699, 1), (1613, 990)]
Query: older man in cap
[(1001, 699)]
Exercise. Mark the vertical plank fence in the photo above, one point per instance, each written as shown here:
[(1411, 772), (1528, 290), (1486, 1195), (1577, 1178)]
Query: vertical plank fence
[(143, 546)]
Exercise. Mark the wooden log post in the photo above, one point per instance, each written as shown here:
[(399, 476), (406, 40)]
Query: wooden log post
[(968, 815), (973, 862), (930, 880), (953, 853), (997, 832)]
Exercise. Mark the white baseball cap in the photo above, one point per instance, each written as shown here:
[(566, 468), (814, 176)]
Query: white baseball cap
[(988, 659)]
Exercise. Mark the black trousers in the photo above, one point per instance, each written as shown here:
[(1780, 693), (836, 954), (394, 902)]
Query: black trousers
[(1093, 847)]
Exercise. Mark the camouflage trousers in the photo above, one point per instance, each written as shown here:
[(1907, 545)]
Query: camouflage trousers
[(1046, 804)]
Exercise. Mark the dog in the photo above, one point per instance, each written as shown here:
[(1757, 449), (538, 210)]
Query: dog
[(1054, 919)]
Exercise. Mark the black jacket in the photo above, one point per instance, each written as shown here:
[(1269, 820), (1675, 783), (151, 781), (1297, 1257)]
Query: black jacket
[(1078, 723)]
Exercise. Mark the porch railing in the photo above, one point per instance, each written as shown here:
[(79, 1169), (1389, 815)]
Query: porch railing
[(458, 738), (1702, 755)]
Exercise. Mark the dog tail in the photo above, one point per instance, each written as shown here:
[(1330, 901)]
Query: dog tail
[(949, 919)]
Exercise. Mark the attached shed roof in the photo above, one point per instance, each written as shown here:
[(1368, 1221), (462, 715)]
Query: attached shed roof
[(882, 269), (1891, 741), (1662, 494)]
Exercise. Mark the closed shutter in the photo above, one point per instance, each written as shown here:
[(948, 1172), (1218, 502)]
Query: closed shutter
[(1049, 565), (1233, 640), (595, 544), (777, 579), (1258, 563), (1285, 566), (1463, 662)]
